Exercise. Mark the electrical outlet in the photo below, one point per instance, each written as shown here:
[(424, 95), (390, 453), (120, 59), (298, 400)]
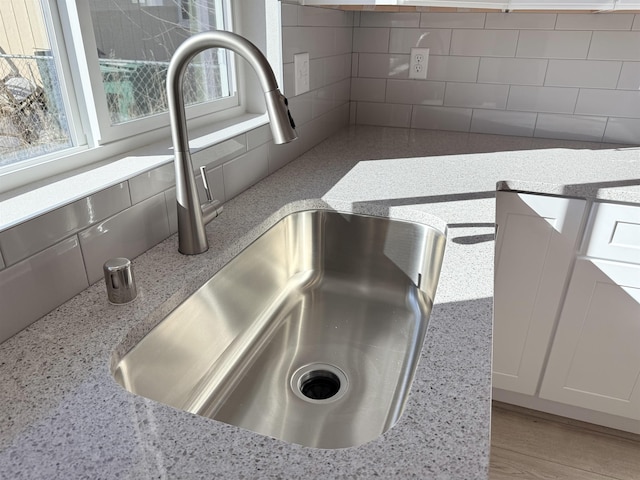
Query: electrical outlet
[(418, 63), (301, 68)]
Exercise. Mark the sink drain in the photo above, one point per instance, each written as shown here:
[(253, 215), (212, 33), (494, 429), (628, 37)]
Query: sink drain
[(319, 383)]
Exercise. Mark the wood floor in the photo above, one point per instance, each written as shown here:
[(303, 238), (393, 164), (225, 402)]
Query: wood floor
[(533, 445)]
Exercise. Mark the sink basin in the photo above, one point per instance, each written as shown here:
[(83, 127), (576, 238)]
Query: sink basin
[(310, 335)]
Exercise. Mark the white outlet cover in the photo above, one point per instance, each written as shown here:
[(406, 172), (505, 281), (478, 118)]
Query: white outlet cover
[(419, 61), (301, 69)]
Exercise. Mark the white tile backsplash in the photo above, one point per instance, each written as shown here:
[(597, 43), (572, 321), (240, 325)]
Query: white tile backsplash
[(383, 114), (383, 65), (38, 284), (368, 89), (390, 19), (441, 118), (514, 71), (542, 99), (521, 21), (452, 69), (622, 130), (31, 237), (614, 103), (127, 234), (371, 40), (583, 73), (602, 21), (452, 20), (246, 170), (402, 40), (415, 92), (491, 43), (629, 76), (152, 182), (553, 44), (476, 95), (636, 22), (570, 127), (615, 46), (503, 122)]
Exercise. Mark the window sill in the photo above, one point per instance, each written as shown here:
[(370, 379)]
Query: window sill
[(23, 204)]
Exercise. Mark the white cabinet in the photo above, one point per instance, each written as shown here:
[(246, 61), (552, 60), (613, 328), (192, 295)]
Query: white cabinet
[(595, 357), (535, 247)]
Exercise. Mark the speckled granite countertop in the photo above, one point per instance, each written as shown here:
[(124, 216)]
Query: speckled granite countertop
[(64, 417)]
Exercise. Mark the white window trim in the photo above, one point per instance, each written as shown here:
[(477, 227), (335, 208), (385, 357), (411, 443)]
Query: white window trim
[(30, 176)]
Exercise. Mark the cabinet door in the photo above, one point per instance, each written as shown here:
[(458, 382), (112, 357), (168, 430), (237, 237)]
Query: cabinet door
[(595, 358), (535, 246)]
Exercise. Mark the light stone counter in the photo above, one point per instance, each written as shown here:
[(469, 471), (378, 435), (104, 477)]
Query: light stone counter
[(64, 417)]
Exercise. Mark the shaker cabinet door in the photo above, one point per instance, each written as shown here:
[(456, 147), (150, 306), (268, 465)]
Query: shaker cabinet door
[(535, 246), (595, 357)]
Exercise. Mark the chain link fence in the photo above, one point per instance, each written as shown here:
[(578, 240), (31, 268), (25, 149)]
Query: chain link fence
[(32, 116)]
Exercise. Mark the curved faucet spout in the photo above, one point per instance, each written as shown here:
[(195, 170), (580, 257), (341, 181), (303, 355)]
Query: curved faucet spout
[(192, 237)]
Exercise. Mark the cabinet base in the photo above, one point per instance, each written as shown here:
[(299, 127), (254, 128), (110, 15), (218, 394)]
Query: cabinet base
[(569, 411)]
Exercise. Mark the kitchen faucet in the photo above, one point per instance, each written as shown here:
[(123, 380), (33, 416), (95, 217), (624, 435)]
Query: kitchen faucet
[(192, 217)]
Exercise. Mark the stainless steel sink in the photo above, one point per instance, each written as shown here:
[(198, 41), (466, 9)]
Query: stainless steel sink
[(311, 334)]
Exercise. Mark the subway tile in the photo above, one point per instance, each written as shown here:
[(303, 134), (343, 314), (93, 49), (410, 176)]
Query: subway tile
[(502, 122), (622, 130), (614, 103), (583, 73), (553, 44), (242, 172), (490, 43), (322, 100), (615, 46), (2, 265), (521, 21), (476, 95), (352, 113), (35, 235), (220, 152), (127, 234), (383, 65), (35, 286), (452, 20), (371, 40), (594, 21), (337, 68), (368, 89), (452, 69), (289, 15), (389, 19), (300, 108), (383, 114), (317, 41), (355, 60), (152, 182), (343, 41), (172, 209), (288, 80), (542, 99), (630, 76), (216, 185), (415, 92), (258, 136), (441, 118), (570, 127), (322, 17), (316, 73), (402, 40), (636, 22), (514, 71)]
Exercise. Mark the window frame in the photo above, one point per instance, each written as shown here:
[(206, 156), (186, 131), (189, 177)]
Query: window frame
[(94, 146)]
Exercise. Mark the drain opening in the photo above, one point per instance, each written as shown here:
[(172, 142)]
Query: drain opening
[(319, 384)]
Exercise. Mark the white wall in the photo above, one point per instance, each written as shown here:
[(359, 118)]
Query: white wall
[(569, 76)]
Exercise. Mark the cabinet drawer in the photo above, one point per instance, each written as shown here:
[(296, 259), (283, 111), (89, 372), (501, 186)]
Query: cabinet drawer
[(614, 232)]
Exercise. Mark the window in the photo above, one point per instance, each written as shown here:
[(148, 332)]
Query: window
[(33, 117), (84, 80)]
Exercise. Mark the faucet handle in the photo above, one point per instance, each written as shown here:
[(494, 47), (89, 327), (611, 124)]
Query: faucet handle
[(205, 183)]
